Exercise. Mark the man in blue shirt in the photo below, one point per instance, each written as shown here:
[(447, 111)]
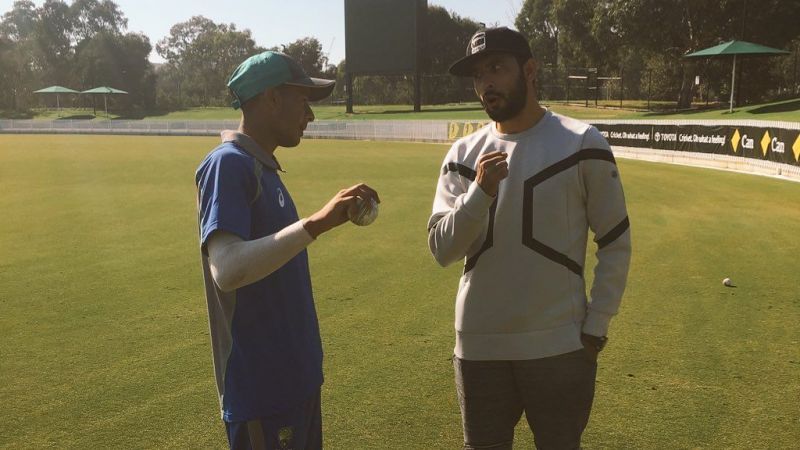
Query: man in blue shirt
[(264, 331)]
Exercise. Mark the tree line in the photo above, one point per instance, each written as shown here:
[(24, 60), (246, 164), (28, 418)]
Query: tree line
[(85, 44), (647, 39), (80, 45)]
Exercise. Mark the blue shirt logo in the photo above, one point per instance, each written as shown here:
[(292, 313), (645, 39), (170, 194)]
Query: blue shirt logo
[(281, 200)]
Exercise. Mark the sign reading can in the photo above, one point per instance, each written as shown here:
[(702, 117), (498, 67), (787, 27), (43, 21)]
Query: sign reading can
[(773, 144), (750, 142)]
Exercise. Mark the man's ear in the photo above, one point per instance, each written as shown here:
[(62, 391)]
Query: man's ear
[(272, 97), (530, 70)]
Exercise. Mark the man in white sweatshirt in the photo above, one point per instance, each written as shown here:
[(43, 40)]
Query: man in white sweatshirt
[(515, 201), (264, 331)]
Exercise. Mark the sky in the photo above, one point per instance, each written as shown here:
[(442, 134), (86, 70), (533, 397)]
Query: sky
[(280, 22)]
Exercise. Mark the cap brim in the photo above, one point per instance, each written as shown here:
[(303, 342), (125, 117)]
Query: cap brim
[(463, 67), (320, 88)]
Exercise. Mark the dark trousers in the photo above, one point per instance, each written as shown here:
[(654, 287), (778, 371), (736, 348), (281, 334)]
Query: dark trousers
[(299, 429), (555, 393)]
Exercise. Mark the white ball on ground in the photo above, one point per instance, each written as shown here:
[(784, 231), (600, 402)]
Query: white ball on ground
[(364, 213), (727, 282)]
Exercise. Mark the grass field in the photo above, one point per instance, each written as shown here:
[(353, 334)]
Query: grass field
[(787, 110), (104, 341)]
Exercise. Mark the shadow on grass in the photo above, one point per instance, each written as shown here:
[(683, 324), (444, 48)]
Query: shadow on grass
[(424, 109), (139, 115), (688, 112), (76, 117), (792, 105), (16, 115)]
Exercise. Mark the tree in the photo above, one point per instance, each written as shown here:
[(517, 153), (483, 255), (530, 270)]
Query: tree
[(95, 16), (108, 59), (54, 52), (173, 48), (169, 82), (17, 30), (669, 31), (181, 36), (213, 57), (444, 40), (535, 20), (201, 55), (18, 24), (80, 45), (7, 71), (650, 37), (308, 53)]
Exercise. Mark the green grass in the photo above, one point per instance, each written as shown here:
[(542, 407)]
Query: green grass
[(104, 341), (788, 110)]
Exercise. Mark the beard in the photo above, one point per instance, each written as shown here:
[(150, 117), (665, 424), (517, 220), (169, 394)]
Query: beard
[(514, 101)]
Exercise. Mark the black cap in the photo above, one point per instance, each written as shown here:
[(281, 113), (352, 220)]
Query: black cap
[(491, 40)]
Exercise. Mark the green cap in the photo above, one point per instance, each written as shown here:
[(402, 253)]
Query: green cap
[(270, 69)]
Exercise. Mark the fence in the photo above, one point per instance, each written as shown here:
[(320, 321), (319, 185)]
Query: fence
[(662, 81), (761, 147), (122, 127), (399, 130)]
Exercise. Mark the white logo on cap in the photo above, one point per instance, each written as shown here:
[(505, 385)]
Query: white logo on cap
[(478, 42)]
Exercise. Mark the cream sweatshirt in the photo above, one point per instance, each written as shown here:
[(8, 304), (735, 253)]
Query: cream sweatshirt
[(522, 294)]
